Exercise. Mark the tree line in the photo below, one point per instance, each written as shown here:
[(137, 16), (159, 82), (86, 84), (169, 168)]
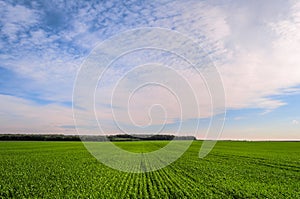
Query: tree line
[(61, 137)]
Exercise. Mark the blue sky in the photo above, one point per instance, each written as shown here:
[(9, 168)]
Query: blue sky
[(254, 45)]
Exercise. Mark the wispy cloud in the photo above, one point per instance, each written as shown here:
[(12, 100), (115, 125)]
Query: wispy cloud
[(18, 115)]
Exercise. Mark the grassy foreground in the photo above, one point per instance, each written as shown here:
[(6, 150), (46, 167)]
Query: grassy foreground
[(231, 170)]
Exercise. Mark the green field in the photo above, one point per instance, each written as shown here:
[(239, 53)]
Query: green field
[(231, 170)]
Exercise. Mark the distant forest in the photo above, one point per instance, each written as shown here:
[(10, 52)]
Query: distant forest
[(60, 137)]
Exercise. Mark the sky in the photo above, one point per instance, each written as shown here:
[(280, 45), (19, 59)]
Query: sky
[(254, 45)]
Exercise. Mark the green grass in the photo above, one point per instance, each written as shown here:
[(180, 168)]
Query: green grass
[(231, 170), (141, 146)]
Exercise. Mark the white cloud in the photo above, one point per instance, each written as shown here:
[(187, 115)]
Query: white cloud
[(16, 19), (239, 118), (18, 116), (252, 72), (295, 122), (253, 75)]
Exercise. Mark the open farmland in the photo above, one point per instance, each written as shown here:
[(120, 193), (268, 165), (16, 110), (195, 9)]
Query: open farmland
[(231, 170)]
